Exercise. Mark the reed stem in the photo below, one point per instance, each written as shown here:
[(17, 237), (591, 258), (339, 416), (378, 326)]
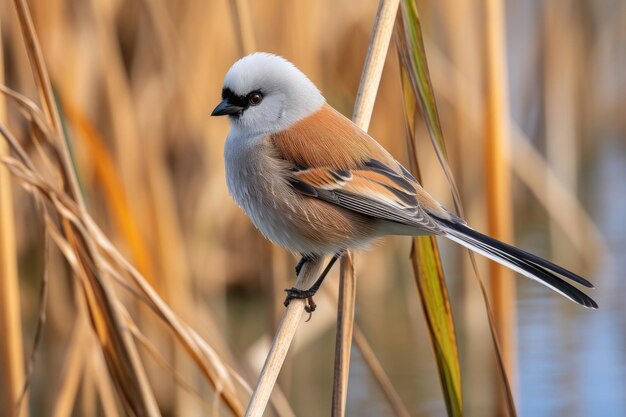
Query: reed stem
[(282, 340), (370, 80), (498, 181), (361, 116), (343, 341), (96, 288), (11, 349)]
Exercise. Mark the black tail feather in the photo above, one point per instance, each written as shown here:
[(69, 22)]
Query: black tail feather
[(526, 263), (545, 276)]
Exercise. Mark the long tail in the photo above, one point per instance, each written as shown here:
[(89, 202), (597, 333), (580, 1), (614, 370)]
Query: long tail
[(525, 263)]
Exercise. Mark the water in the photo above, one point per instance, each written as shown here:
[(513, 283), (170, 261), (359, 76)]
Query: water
[(573, 361)]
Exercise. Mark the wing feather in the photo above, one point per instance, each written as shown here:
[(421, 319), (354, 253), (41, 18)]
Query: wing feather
[(366, 192), (328, 139), (335, 161)]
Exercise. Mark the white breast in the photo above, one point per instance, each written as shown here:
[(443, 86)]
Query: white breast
[(254, 181)]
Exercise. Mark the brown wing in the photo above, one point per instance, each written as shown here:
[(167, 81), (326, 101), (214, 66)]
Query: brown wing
[(335, 161), (329, 139), (366, 191)]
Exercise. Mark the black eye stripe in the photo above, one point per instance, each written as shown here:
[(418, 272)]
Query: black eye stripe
[(237, 100), (232, 98)]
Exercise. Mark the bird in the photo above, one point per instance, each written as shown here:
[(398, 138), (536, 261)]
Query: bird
[(316, 184)]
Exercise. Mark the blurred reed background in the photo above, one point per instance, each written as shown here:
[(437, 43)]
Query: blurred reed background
[(135, 82)]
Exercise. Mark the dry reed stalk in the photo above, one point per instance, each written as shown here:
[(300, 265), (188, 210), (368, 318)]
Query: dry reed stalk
[(244, 26), (373, 363), (314, 330), (229, 399), (149, 95), (209, 362), (149, 99), (498, 184), (282, 340), (374, 62), (361, 116), (172, 266), (73, 363), (162, 362), (170, 247), (343, 340), (202, 354), (147, 186), (11, 349), (44, 88), (104, 386), (561, 117), (379, 43), (118, 346)]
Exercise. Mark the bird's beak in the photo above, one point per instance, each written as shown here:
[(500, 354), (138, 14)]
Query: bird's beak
[(225, 108)]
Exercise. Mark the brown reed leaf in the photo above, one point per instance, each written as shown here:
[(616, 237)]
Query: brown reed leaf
[(69, 213)]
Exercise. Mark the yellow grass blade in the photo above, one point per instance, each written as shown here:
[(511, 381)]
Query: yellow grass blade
[(413, 56), (427, 268), (434, 296)]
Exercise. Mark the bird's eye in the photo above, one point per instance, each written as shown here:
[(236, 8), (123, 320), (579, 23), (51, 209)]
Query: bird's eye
[(255, 98)]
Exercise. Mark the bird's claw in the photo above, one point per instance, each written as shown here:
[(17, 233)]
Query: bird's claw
[(298, 294)]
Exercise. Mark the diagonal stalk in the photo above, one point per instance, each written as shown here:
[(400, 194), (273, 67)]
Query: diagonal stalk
[(121, 352), (372, 70), (282, 340), (362, 114)]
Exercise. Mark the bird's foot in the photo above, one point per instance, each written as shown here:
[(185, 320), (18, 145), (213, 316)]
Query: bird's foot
[(298, 294)]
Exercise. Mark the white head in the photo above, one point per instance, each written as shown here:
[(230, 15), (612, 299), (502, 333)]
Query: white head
[(264, 93)]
